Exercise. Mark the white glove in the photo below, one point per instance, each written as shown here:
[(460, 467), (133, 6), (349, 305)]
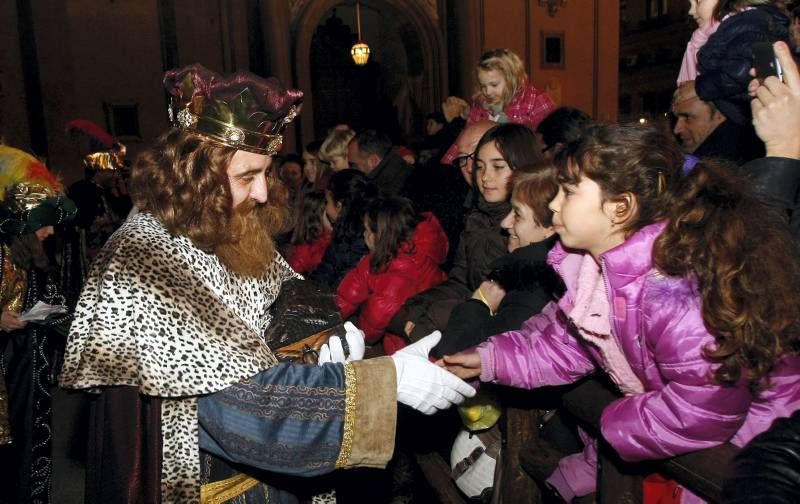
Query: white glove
[(422, 384), (332, 351), (355, 341)]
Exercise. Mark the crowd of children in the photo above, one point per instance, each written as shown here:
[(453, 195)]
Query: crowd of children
[(575, 249)]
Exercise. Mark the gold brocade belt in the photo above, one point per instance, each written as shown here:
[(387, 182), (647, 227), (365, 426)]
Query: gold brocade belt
[(5, 430), (227, 489)]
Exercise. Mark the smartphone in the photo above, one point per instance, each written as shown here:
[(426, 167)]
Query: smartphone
[(765, 62)]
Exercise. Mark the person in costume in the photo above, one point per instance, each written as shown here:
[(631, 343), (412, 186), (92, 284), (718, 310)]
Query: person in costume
[(103, 203), (169, 327), (31, 204)]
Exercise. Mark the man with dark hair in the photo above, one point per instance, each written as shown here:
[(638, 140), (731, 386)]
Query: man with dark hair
[(370, 152), (705, 132), (561, 126)]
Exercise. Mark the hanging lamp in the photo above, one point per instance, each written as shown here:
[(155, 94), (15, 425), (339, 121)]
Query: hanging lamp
[(360, 50)]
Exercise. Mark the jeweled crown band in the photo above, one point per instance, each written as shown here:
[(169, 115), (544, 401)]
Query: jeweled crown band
[(229, 134)]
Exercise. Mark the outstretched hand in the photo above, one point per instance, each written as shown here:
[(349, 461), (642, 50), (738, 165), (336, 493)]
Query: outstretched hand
[(776, 107), (463, 365), (422, 385)]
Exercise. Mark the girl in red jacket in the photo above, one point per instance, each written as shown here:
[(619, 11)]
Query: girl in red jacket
[(311, 235), (405, 253)]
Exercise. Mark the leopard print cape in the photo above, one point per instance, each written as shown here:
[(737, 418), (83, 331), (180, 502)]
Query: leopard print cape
[(159, 314)]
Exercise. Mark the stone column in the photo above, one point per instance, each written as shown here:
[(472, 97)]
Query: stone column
[(276, 27), (469, 39)]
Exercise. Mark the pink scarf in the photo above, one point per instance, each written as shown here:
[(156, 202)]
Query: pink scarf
[(699, 38), (592, 316)]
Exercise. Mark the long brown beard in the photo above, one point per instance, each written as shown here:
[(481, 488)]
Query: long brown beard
[(250, 248)]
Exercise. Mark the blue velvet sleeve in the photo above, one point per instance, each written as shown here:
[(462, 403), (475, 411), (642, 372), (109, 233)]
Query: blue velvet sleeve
[(287, 419)]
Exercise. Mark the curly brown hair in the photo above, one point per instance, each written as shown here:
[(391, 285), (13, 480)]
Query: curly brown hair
[(739, 251), (182, 180)]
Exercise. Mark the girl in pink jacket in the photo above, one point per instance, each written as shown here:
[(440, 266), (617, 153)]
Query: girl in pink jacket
[(683, 290)]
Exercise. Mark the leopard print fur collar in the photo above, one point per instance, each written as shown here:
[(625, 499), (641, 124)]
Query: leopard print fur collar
[(159, 314)]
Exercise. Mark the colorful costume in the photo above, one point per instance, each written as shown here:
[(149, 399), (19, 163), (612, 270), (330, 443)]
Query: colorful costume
[(30, 198), (161, 323), (103, 203)]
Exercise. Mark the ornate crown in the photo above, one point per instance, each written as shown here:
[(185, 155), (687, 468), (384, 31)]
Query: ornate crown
[(103, 161), (242, 110)]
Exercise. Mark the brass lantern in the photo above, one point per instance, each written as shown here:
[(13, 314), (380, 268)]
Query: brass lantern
[(360, 53), (360, 50)]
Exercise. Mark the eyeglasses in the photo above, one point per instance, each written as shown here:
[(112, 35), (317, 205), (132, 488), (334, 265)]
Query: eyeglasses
[(461, 161)]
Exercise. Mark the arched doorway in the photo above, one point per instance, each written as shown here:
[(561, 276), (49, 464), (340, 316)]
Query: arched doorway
[(414, 32)]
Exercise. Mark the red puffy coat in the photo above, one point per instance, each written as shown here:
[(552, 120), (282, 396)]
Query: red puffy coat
[(305, 257), (379, 295)]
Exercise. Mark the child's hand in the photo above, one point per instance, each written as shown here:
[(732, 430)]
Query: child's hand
[(493, 294), (409, 327), (776, 107), (326, 222), (454, 107), (463, 365)]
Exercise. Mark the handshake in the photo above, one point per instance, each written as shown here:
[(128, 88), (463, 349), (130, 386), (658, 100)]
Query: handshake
[(421, 384)]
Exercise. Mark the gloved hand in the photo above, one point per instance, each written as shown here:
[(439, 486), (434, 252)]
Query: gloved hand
[(422, 384), (355, 341), (332, 351)]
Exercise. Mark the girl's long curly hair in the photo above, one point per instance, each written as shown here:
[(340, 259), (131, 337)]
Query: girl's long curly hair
[(739, 250)]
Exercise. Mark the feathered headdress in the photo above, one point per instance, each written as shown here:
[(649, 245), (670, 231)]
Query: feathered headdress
[(99, 139), (31, 197)]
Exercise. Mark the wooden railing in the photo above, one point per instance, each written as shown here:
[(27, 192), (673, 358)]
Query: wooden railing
[(702, 472)]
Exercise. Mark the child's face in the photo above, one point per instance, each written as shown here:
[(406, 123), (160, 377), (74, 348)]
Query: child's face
[(332, 208), (702, 11), (522, 228), (340, 162), (310, 166), (583, 220), (492, 85), (432, 127), (492, 174), (369, 236)]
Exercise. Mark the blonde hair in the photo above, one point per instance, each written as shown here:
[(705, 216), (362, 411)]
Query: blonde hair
[(335, 144), (507, 63)]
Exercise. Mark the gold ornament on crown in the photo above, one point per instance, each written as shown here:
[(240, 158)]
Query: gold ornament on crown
[(23, 197), (229, 123)]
